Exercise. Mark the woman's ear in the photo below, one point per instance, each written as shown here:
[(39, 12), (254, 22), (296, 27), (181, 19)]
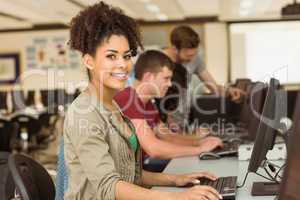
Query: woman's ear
[(88, 61)]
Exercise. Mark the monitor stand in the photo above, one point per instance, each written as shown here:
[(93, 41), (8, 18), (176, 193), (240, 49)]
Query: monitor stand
[(265, 189)]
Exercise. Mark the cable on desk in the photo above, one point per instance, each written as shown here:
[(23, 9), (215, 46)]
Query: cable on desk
[(244, 181), (269, 179), (270, 175), (281, 168)]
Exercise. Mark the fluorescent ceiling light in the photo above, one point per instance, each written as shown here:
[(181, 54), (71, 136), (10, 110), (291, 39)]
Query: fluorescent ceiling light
[(245, 4), (244, 12), (152, 8), (145, 1), (162, 17)]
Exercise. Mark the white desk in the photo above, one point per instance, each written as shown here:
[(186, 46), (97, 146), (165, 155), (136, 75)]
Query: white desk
[(222, 167)]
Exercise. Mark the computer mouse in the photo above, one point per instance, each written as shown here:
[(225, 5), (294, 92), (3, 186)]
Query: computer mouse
[(235, 140), (209, 156)]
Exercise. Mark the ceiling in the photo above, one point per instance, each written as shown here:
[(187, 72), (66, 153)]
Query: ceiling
[(16, 14)]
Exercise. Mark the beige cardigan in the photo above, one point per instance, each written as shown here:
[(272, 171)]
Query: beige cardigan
[(97, 153)]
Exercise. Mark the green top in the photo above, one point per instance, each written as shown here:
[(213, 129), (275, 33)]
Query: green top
[(134, 142)]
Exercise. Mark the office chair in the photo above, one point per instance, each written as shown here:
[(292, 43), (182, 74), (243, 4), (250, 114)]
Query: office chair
[(5, 129), (30, 101), (28, 129), (31, 179), (7, 186), (18, 100), (3, 101), (77, 93), (8, 131), (60, 97)]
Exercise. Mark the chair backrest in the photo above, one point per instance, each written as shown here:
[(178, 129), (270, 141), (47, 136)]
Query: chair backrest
[(60, 97), (32, 181), (18, 100), (7, 186), (3, 100), (8, 130), (48, 97), (28, 122), (30, 99)]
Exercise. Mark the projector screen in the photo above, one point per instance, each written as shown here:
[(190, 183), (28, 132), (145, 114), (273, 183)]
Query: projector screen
[(266, 49)]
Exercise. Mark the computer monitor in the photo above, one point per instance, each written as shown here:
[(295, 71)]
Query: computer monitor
[(265, 133), (273, 110), (290, 185), (254, 110)]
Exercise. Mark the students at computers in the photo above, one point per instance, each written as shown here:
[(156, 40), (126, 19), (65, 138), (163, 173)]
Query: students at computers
[(102, 152), (153, 73)]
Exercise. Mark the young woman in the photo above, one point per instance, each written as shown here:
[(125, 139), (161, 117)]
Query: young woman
[(101, 149)]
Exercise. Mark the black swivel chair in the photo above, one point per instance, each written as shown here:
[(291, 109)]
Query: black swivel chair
[(3, 101), (31, 179), (8, 133), (77, 93), (5, 128), (28, 130), (7, 186), (30, 101)]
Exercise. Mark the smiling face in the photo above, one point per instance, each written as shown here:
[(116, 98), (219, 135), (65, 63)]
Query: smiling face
[(186, 55), (111, 65)]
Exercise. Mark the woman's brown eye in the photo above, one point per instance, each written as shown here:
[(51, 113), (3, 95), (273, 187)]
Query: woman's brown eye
[(111, 57), (127, 57)]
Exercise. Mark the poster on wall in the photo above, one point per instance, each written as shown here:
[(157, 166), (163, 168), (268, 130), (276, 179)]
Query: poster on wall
[(9, 67), (51, 52)]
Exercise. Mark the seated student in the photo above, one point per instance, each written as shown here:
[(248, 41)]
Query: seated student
[(174, 106), (101, 149), (153, 72)]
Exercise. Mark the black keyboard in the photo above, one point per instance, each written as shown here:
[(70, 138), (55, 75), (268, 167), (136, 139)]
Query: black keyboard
[(226, 186)]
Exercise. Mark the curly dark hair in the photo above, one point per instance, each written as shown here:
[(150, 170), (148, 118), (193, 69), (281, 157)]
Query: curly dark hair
[(97, 23)]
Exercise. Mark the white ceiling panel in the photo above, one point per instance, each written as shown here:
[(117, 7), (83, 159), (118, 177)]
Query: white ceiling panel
[(61, 11)]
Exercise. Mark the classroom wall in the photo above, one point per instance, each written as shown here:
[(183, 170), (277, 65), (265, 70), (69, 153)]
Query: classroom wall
[(42, 75), (213, 36), (216, 51)]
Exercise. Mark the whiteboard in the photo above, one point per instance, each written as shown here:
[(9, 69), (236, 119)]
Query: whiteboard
[(266, 49)]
